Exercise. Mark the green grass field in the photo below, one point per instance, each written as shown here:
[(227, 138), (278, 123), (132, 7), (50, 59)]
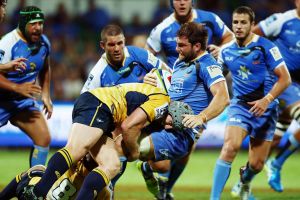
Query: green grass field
[(194, 184)]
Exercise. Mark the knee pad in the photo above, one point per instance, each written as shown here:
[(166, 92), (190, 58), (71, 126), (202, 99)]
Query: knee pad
[(281, 128), (145, 147), (295, 113)]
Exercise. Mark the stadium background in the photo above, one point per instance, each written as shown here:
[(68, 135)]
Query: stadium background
[(73, 27)]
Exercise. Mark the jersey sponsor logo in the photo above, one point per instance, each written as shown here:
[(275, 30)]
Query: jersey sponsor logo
[(171, 39), (161, 111), (275, 53), (1, 55), (152, 59), (233, 119), (229, 58), (244, 72), (290, 32), (164, 153), (214, 71)]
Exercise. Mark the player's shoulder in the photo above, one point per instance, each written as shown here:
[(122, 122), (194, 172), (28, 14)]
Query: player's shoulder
[(45, 40), (10, 38), (166, 23)]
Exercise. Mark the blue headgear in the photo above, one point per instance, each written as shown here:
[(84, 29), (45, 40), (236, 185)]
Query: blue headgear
[(172, 6)]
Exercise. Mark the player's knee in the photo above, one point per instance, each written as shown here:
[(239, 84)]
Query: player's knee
[(295, 113), (112, 168), (257, 165), (229, 152), (144, 149)]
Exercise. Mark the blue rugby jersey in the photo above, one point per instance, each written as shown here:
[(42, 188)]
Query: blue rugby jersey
[(163, 36), (284, 29), (12, 46), (191, 85), (251, 67), (138, 62)]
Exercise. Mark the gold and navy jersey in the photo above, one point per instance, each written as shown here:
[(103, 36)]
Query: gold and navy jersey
[(123, 99)]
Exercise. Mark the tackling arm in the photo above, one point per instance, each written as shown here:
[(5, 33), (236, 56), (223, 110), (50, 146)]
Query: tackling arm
[(131, 130)]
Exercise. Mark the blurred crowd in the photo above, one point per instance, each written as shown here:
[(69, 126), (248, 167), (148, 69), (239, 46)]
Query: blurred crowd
[(75, 38)]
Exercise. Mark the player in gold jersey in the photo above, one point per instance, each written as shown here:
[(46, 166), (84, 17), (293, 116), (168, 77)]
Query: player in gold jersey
[(128, 107)]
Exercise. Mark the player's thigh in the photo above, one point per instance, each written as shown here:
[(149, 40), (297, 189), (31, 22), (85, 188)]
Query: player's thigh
[(33, 123), (234, 136), (81, 139), (106, 155)]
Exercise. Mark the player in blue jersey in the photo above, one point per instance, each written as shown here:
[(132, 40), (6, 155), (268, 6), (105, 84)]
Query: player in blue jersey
[(197, 80), (259, 76), (120, 64), (163, 36), (284, 30), (18, 90), (163, 40)]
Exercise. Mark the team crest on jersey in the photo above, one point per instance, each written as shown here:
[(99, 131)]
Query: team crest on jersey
[(244, 72), (161, 111), (151, 59), (275, 53), (32, 66), (1, 55)]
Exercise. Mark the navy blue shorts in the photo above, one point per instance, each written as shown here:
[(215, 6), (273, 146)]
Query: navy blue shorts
[(90, 111)]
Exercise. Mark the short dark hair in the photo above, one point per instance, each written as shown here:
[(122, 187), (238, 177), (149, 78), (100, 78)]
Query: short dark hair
[(245, 10), (195, 32), (111, 30)]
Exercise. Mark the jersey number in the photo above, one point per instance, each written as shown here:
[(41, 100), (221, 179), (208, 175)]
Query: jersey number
[(64, 191)]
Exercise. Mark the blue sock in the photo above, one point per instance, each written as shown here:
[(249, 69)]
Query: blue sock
[(96, 180), (123, 161), (248, 174), (59, 163), (38, 155), (291, 146), (221, 174), (176, 170)]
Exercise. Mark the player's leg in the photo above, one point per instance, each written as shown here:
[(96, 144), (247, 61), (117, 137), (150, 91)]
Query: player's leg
[(81, 139), (105, 154), (233, 139), (35, 126)]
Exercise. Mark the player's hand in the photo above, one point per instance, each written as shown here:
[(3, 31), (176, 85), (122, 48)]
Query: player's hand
[(28, 89), (192, 121), (213, 50), (14, 65), (150, 78), (258, 107), (48, 106)]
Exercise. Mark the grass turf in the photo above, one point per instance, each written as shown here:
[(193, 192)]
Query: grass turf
[(195, 182)]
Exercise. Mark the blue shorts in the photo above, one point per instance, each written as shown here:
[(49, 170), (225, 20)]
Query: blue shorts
[(170, 145), (90, 111), (289, 96), (257, 127), (10, 108)]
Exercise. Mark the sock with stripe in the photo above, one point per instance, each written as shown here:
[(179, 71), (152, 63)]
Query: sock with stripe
[(248, 174), (290, 147), (221, 174), (38, 155), (96, 180), (59, 163)]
